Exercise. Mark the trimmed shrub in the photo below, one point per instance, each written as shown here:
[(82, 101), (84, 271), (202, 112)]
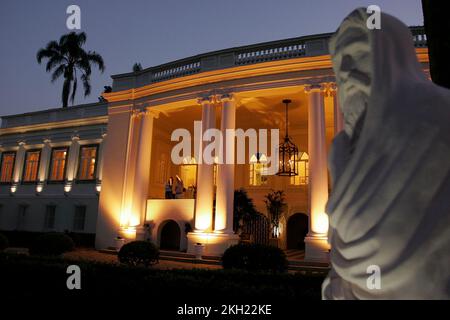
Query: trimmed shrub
[(255, 257), (139, 253), (52, 244), (3, 242)]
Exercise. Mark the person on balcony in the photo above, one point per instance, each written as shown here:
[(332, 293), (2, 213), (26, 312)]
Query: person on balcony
[(179, 188), (169, 189)]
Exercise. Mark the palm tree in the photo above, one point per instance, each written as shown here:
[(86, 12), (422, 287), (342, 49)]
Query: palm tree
[(243, 209), (67, 58), (137, 67)]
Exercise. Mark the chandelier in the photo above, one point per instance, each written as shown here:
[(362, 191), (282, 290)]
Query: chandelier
[(288, 152)]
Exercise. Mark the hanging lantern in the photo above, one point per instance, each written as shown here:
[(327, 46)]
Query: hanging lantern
[(288, 152)]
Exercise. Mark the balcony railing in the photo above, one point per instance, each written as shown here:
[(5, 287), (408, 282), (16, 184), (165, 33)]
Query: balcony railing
[(269, 51)]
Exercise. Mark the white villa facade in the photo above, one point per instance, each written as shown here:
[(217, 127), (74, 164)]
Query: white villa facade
[(104, 166)]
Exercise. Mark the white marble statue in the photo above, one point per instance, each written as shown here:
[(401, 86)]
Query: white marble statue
[(390, 169)]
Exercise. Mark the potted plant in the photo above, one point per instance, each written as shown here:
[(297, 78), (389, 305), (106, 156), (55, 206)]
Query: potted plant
[(199, 249), (276, 206), (118, 242), (243, 210)]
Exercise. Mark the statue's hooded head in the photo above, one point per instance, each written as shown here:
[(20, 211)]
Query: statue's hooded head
[(370, 63), (390, 171)]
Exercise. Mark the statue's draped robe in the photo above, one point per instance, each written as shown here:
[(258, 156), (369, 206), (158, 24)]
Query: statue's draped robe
[(390, 201)]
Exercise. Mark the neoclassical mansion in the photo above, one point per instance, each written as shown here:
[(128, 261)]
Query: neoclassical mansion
[(102, 168)]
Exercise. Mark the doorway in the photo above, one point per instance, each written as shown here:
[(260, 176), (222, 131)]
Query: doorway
[(297, 229), (170, 236)]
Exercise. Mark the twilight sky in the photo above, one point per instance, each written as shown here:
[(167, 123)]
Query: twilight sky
[(153, 32)]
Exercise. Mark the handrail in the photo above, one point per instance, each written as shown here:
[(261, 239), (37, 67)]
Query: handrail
[(314, 45)]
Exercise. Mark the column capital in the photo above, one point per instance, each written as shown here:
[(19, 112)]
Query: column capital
[(75, 137), (225, 97), (332, 89), (205, 99), (21, 143), (151, 113), (46, 141), (135, 113), (314, 87)]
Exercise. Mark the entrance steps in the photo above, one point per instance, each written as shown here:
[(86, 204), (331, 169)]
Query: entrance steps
[(180, 256), (295, 259)]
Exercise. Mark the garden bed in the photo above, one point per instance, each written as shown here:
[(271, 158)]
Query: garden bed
[(30, 276)]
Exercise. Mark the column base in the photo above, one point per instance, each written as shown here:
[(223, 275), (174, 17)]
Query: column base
[(317, 249), (215, 243), (128, 233)]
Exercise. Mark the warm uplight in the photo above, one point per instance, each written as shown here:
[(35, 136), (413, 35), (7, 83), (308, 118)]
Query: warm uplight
[(129, 232), (320, 223), (39, 187), (68, 187), (98, 187), (203, 221), (13, 188)]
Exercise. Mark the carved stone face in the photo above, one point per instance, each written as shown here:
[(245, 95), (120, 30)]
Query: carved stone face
[(352, 66)]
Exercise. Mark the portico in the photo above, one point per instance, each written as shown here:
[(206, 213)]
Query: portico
[(223, 90), (211, 212)]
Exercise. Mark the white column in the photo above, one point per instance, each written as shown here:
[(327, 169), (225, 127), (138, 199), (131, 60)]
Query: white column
[(225, 171), (316, 240), (101, 155), (128, 217), (143, 161), (205, 172), (72, 162), (44, 162), (18, 165), (338, 116)]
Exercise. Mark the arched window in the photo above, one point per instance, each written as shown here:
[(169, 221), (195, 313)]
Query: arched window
[(302, 167), (188, 172), (258, 170)]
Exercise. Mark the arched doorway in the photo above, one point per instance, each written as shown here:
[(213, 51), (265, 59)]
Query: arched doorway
[(170, 236), (297, 229)]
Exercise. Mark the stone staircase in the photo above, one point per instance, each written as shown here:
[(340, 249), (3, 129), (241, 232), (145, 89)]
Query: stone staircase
[(295, 259)]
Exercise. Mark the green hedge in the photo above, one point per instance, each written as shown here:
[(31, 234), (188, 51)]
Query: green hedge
[(26, 239), (29, 276), (255, 257), (139, 253), (52, 244)]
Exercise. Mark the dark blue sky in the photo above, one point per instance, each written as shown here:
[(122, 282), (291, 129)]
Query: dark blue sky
[(153, 32)]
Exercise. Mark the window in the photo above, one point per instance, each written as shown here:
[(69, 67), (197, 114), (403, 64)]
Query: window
[(7, 167), (302, 168), (49, 222), (162, 170), (31, 166), (79, 218), (22, 215), (88, 159), (258, 170), (189, 175), (58, 164)]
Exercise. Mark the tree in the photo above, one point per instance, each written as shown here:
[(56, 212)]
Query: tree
[(67, 58), (437, 28), (244, 209), (137, 67), (276, 204)]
